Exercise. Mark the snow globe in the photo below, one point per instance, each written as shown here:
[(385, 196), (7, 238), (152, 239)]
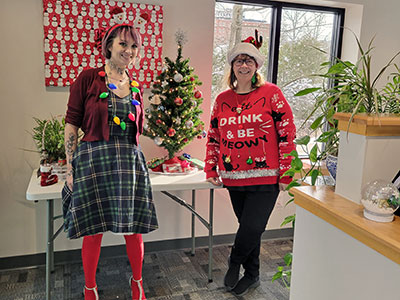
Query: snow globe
[(380, 199)]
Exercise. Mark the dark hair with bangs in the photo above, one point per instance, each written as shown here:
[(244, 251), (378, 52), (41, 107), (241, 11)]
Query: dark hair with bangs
[(123, 30)]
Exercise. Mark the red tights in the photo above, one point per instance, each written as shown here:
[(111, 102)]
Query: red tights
[(90, 257)]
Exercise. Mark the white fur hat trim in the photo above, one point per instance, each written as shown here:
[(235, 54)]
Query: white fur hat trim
[(248, 49)]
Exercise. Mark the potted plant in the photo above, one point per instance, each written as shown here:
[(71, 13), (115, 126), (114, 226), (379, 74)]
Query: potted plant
[(351, 94), (49, 139)]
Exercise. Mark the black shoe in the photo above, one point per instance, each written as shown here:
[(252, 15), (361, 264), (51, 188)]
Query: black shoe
[(244, 284), (232, 276)]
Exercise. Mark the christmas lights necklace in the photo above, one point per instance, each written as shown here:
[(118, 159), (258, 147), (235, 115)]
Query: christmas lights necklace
[(117, 120)]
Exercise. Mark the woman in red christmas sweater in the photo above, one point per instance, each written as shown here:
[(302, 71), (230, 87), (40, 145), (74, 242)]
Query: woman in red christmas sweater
[(250, 132)]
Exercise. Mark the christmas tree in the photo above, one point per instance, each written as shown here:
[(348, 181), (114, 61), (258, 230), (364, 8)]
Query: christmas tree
[(173, 118)]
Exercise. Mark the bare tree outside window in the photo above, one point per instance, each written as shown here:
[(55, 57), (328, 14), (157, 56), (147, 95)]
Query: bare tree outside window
[(234, 23), (302, 33)]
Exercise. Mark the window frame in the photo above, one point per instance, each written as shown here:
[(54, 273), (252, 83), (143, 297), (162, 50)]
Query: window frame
[(275, 29)]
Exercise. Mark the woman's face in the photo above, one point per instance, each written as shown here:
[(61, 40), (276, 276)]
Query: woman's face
[(123, 50), (244, 67)]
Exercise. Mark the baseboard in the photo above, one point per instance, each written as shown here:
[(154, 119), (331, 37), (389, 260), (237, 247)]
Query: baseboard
[(69, 256)]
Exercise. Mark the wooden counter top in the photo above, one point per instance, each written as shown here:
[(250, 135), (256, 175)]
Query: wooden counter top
[(346, 215)]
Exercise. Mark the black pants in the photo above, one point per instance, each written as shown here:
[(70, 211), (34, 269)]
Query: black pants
[(252, 209)]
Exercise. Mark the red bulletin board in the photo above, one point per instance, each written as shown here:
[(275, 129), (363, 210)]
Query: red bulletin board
[(69, 29)]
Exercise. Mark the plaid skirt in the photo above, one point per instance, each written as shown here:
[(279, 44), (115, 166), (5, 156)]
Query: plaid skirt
[(111, 191)]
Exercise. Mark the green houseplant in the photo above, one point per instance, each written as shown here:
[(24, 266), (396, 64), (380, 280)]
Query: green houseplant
[(48, 135), (348, 88)]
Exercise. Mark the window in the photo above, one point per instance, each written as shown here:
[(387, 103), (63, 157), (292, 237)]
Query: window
[(293, 37)]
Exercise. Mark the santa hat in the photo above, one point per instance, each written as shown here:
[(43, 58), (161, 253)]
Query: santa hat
[(145, 16), (249, 47), (116, 10)]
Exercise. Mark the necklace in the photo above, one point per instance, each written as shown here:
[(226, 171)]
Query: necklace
[(117, 120), (240, 107)]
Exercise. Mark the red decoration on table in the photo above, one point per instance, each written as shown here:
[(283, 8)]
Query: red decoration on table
[(46, 178)]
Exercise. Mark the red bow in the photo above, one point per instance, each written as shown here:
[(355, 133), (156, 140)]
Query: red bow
[(98, 37)]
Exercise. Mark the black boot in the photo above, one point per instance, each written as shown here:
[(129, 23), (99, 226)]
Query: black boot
[(245, 284), (232, 276)]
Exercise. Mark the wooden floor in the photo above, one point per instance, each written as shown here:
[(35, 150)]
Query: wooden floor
[(166, 275)]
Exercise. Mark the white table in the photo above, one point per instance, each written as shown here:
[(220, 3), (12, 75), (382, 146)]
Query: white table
[(160, 183)]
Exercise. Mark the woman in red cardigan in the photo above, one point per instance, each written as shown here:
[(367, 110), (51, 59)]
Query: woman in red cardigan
[(108, 186), (251, 130)]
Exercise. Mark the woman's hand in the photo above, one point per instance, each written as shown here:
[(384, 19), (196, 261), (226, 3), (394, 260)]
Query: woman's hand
[(214, 180), (282, 186)]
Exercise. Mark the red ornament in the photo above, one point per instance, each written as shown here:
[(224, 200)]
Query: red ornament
[(185, 140), (178, 101), (171, 132), (199, 137), (102, 73), (197, 94), (191, 78), (158, 122)]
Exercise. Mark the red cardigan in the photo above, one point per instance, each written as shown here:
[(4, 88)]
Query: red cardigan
[(90, 113), (248, 148)]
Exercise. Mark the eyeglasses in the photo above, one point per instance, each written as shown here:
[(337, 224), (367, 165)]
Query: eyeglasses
[(249, 62)]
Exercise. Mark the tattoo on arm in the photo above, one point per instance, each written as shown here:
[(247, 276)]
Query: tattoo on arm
[(70, 146)]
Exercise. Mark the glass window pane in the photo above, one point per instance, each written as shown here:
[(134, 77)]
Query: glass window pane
[(234, 23), (302, 34)]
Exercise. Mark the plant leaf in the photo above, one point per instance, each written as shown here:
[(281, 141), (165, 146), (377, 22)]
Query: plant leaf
[(314, 153), (314, 175), (292, 153), (307, 91), (288, 258), (296, 163), (288, 219), (317, 122), (302, 141)]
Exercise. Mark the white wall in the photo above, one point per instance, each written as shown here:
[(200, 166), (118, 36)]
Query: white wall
[(22, 224)]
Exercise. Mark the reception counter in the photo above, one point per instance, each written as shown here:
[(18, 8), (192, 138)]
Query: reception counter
[(339, 254)]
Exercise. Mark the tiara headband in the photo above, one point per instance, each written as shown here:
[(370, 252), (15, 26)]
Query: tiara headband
[(249, 47)]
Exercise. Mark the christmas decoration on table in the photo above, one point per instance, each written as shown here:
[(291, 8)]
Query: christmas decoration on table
[(178, 165), (46, 176), (175, 100)]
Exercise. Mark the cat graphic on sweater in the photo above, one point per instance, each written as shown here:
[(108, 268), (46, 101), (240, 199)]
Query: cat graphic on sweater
[(227, 165), (260, 163)]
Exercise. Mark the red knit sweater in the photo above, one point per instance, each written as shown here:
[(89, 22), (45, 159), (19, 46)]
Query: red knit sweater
[(247, 148)]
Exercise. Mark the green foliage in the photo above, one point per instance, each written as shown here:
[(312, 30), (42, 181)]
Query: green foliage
[(283, 274), (349, 87), (166, 115), (49, 138)]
